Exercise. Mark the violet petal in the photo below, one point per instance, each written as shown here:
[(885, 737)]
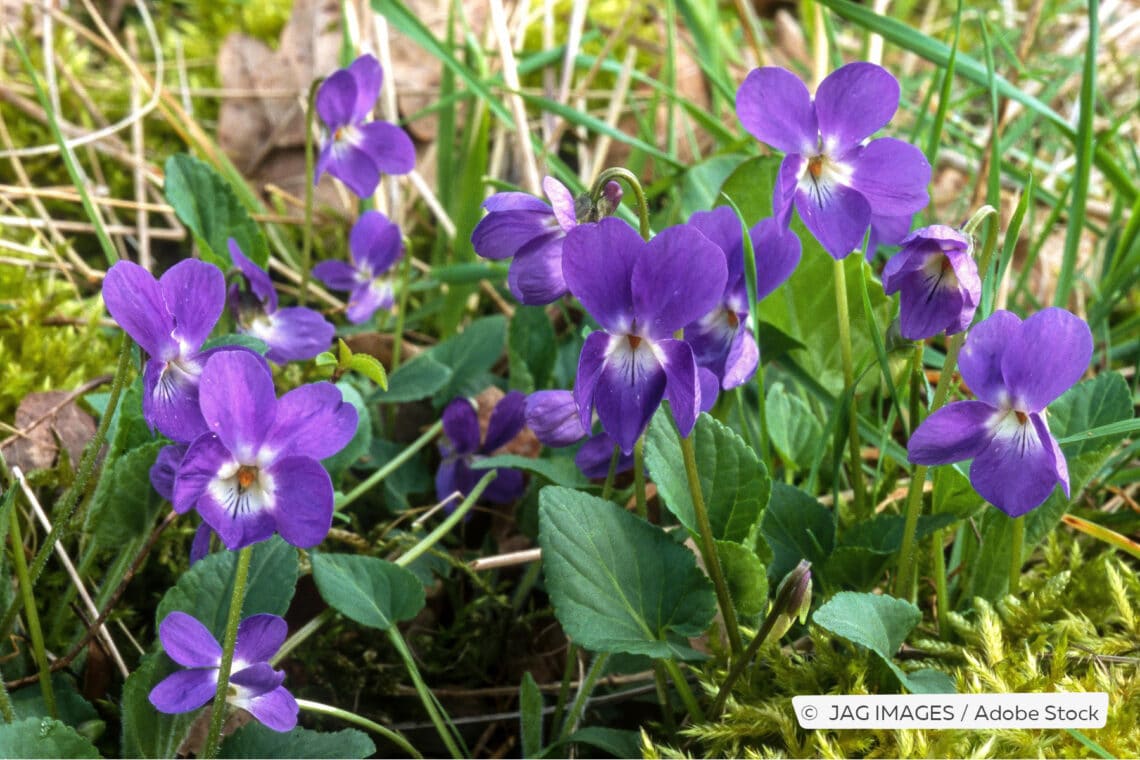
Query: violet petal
[(189, 643), (389, 147), (590, 364), (375, 242), (953, 433), (553, 416), (368, 76), (892, 175), (682, 386), (184, 690), (303, 500), (852, 103), (195, 294), (336, 99), (535, 277), (313, 420), (981, 358), (1046, 357), (1017, 471), (276, 709), (507, 419), (134, 300), (666, 294), (238, 401), (205, 457), (598, 263), (631, 387), (461, 426), (837, 218), (774, 105)]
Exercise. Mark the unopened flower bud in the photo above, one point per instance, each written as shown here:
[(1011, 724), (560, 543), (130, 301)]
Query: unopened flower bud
[(793, 599)]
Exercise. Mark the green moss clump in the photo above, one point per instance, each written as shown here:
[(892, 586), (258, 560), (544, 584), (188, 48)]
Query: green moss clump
[(1074, 628), (50, 337)]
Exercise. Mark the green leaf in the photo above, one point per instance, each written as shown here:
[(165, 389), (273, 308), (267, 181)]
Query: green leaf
[(204, 590), (531, 349), (560, 471), (751, 186), (701, 184), (1103, 400), (746, 578), (361, 440), (369, 590), (128, 429), (146, 731), (254, 740), (880, 623), (208, 206), (619, 584), (418, 378), (469, 355), (774, 342), (43, 738), (370, 367), (72, 708), (867, 548), (125, 505), (530, 716), (953, 494), (734, 481), (796, 527), (793, 426)]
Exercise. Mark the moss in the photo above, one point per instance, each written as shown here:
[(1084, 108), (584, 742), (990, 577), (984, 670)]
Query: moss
[(50, 339), (1073, 628)]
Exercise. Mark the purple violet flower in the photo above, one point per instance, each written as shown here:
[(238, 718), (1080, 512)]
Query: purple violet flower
[(376, 246), (294, 333), (461, 426), (353, 150), (937, 279), (254, 685), (887, 230), (721, 340), (553, 417), (834, 181), (521, 226), (640, 293), (170, 319), (1016, 369), (258, 471)]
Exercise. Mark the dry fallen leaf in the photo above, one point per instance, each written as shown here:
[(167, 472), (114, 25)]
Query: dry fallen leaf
[(48, 420), (262, 127)]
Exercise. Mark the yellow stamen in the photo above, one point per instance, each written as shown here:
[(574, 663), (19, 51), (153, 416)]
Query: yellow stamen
[(246, 475)]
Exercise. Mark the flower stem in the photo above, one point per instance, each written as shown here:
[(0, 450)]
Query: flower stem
[(360, 720), (708, 548), (442, 724), (302, 634), (844, 322), (29, 598), (564, 689), (617, 172), (241, 573), (916, 387), (401, 310), (1015, 554), (307, 229), (942, 599), (908, 560), (608, 487), (393, 464), (583, 696), (639, 477), (684, 691), (742, 662), (452, 520)]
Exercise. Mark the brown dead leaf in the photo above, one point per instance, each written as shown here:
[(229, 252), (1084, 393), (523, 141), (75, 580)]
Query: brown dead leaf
[(262, 128), (46, 421)]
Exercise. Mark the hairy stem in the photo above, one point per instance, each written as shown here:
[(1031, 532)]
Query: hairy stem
[(844, 322), (30, 612), (218, 716), (708, 548)]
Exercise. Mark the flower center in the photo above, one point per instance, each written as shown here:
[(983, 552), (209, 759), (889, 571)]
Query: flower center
[(246, 474), (815, 166), (634, 341), (733, 320)]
